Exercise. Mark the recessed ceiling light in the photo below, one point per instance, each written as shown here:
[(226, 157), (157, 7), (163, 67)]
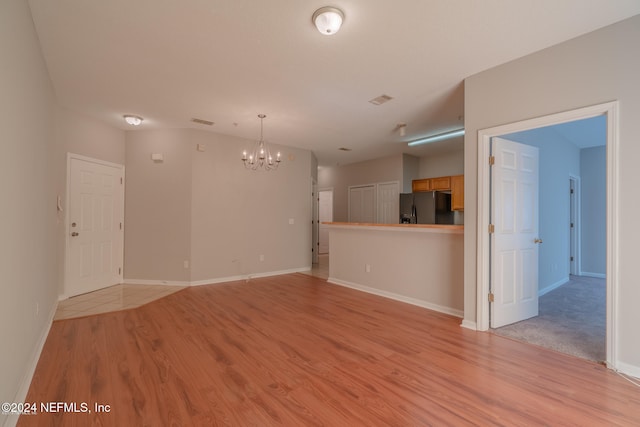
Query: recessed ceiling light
[(344, 149), (133, 120)]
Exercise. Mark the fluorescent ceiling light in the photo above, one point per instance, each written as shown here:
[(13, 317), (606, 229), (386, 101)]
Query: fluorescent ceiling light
[(439, 137)]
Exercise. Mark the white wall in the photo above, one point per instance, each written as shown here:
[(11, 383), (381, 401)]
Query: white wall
[(593, 197), (592, 69), (28, 214), (205, 208)]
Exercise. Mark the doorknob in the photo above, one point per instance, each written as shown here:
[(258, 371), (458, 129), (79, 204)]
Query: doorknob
[(74, 234), (537, 240)]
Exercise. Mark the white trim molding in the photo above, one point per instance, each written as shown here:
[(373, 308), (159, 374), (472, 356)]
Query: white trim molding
[(21, 394), (397, 297), (610, 111)]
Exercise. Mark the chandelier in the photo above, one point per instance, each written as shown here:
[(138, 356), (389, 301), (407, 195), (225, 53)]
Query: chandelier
[(260, 157)]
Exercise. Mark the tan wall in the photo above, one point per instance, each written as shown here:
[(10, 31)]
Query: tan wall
[(203, 207), (27, 225), (238, 215), (442, 165), (157, 205), (423, 268), (595, 68)]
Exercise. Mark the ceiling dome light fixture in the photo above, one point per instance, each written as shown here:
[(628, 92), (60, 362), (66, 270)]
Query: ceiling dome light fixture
[(133, 120), (328, 20), (260, 157)]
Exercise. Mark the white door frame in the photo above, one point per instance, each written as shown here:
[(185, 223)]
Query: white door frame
[(324, 190), (610, 111), (315, 232), (574, 236), (71, 156)]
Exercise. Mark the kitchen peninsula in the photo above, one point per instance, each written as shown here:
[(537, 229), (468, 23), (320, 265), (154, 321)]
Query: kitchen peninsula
[(421, 264)]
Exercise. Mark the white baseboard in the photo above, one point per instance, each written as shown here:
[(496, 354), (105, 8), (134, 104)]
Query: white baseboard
[(21, 395), (468, 324), (554, 286), (626, 369), (397, 297), (596, 275), (154, 282)]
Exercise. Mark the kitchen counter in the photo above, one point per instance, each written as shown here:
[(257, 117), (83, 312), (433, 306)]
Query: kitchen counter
[(421, 264), (433, 228)]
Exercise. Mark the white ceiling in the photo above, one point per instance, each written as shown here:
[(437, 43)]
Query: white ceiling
[(227, 61)]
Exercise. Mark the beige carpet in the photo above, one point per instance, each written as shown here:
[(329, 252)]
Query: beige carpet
[(572, 320)]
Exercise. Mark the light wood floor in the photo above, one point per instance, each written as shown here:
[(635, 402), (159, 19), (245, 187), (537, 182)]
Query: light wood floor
[(294, 350), (113, 298)]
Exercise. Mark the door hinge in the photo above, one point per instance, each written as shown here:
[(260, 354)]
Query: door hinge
[(491, 297), (119, 270), (492, 228), (571, 191), (121, 180), (492, 160), (571, 259), (120, 226), (571, 225)]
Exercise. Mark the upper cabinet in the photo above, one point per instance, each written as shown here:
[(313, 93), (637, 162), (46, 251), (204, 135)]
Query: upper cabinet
[(418, 185), (442, 183), (455, 184), (457, 193)]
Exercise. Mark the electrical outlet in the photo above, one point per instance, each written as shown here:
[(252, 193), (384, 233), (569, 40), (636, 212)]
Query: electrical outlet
[(367, 268), (186, 264), (261, 257)]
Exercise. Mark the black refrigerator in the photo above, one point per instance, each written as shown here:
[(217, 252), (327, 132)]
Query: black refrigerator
[(430, 207)]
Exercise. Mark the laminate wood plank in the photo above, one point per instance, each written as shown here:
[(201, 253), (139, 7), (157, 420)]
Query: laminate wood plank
[(294, 350)]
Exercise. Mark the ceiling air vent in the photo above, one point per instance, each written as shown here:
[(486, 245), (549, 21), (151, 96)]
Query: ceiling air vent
[(202, 122), (381, 99)]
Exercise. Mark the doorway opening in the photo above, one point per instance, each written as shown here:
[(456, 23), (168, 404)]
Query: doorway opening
[(484, 263)]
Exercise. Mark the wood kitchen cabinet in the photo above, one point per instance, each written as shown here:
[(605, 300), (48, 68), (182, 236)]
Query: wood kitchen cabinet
[(457, 193), (418, 185), (442, 183)]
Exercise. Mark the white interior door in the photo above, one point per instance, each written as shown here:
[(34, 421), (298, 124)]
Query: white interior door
[(94, 255), (362, 204), (326, 215), (388, 202), (514, 242)]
